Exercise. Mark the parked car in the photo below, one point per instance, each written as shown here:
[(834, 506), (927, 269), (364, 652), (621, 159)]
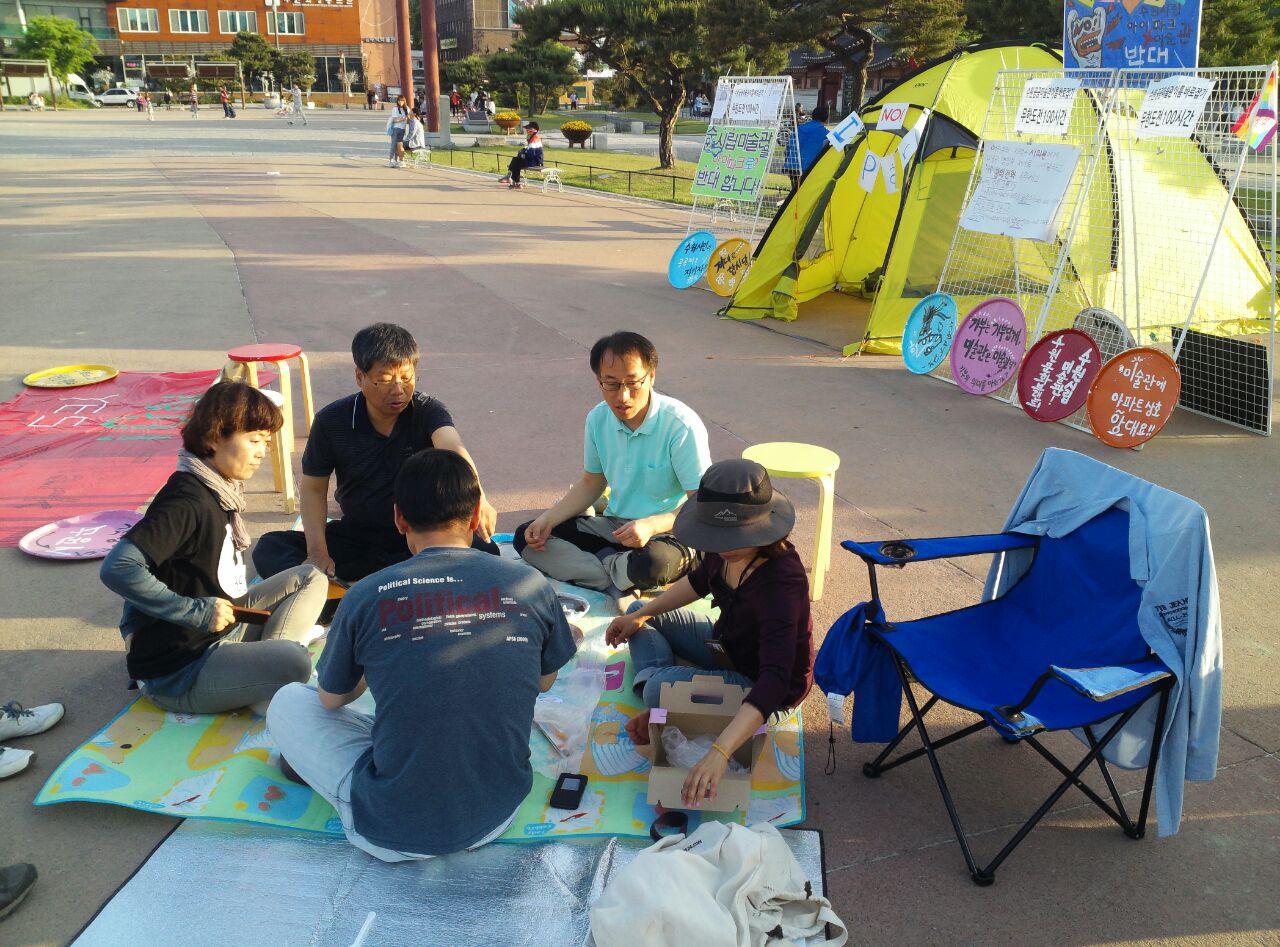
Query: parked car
[(118, 97)]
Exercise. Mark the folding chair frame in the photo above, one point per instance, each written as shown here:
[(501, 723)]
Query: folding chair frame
[(985, 876)]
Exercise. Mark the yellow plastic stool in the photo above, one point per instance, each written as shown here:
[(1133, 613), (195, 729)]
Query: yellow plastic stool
[(806, 462)]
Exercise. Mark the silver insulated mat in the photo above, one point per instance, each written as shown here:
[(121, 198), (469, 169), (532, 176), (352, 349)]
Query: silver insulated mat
[(224, 884)]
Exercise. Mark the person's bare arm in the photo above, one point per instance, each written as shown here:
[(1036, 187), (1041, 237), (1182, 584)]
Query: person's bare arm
[(334, 701), (637, 533), (448, 438), (580, 496), (314, 494), (679, 594), (545, 682)]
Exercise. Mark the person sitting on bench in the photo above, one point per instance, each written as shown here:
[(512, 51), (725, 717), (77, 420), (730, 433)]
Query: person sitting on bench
[(455, 646), (649, 450), (363, 439), (528, 158), (180, 571)]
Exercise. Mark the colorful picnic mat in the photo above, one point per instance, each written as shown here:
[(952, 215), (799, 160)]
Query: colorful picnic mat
[(224, 766), (111, 445)]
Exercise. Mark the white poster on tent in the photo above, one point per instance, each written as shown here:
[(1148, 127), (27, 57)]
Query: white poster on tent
[(890, 169), (1020, 189), (845, 132), (870, 171), (1046, 105), (892, 116), (1172, 107), (911, 141)]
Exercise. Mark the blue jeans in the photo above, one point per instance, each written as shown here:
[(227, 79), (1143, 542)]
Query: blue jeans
[(682, 634)]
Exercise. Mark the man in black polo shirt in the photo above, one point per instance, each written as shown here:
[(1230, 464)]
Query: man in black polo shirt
[(364, 438)]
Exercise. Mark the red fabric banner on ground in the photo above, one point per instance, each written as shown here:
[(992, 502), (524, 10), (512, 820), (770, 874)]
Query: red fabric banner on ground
[(65, 451)]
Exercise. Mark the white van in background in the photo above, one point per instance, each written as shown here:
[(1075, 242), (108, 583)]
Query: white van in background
[(74, 88)]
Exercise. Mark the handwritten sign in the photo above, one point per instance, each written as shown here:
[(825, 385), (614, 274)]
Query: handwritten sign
[(1131, 34), (892, 116), (728, 266), (846, 131), (1045, 108), (89, 536), (690, 260), (1020, 191), (1172, 107), (911, 141), (1133, 397), (926, 337), (734, 162), (870, 172), (988, 346), (747, 102), (1056, 374)]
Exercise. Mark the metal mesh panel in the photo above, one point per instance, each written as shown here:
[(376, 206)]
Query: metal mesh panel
[(1163, 242)]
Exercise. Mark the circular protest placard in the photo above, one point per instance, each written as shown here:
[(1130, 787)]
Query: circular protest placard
[(988, 346), (1056, 374), (1134, 397), (926, 337), (88, 536), (690, 260), (70, 376), (728, 266)]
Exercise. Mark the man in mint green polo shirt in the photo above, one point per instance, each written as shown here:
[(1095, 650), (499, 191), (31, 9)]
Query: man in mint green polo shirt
[(649, 450)]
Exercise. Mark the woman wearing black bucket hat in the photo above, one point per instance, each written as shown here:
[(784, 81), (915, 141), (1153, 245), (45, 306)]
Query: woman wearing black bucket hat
[(762, 639)]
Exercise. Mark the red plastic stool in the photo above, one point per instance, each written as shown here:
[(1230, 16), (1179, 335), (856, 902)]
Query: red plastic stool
[(243, 364)]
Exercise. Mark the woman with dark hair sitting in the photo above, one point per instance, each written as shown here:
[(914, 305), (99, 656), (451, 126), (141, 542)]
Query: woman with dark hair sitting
[(181, 569), (762, 639)]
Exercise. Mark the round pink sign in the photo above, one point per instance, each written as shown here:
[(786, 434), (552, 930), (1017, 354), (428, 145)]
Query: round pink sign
[(88, 536), (988, 346), (1056, 374)]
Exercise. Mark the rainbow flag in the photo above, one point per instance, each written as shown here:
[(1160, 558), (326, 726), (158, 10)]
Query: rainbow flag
[(1257, 125)]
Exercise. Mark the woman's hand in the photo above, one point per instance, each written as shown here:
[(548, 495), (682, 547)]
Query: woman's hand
[(622, 628), (703, 779), (223, 617)]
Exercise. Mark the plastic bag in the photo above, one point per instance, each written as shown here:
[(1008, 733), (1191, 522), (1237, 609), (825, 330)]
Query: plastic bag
[(563, 715), (686, 753)]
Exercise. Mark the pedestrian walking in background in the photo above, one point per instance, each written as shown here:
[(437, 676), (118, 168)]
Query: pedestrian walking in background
[(369, 96), (298, 111), (225, 99), (168, 100), (147, 103), (195, 102), (397, 125), (455, 103)]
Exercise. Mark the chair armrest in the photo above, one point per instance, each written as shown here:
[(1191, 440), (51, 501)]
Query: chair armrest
[(898, 552), (1104, 683)]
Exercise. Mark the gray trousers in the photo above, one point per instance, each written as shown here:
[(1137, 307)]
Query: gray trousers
[(583, 551), (252, 662)]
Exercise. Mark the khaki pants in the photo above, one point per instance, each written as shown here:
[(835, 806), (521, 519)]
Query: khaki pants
[(583, 551)]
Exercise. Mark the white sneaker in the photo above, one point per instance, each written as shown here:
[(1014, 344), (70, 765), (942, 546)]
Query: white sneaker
[(13, 761), (16, 721)]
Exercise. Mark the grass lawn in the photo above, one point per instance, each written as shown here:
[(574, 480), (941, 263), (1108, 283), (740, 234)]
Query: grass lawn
[(551, 121), (608, 171)]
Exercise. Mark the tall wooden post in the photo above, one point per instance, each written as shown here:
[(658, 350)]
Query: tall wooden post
[(431, 64), (404, 51)]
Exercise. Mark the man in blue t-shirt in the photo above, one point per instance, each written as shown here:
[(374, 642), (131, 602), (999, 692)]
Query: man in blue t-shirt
[(454, 645), (649, 450)]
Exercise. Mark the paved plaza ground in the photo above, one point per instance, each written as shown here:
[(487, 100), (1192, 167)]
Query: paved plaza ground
[(158, 246)]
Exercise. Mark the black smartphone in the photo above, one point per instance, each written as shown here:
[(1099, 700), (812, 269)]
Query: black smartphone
[(569, 790)]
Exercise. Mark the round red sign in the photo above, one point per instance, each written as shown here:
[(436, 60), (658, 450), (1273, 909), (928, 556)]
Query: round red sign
[(1133, 397), (1054, 380)]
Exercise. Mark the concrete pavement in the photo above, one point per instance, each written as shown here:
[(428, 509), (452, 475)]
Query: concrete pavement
[(162, 262)]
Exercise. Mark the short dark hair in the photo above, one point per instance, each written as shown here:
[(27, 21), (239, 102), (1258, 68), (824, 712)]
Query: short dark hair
[(227, 409), (383, 342), (621, 344), (533, 125), (436, 488), (820, 112)]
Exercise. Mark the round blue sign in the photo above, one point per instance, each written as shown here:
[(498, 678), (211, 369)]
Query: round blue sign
[(690, 260), (926, 339)]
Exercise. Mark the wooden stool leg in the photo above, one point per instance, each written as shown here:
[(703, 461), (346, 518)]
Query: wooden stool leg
[(251, 374), (278, 462), (286, 393), (233, 371), (822, 547), (308, 405), (286, 474)]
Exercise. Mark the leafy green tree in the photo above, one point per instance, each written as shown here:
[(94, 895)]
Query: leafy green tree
[(539, 70), (1239, 32), (290, 66), (466, 73), (618, 91), (57, 39), (1027, 21), (663, 47), (850, 30), (255, 55)]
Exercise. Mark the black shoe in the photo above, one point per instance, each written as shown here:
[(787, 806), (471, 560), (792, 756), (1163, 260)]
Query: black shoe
[(16, 882)]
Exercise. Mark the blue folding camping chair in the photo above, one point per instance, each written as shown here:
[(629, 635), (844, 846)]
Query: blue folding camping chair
[(1058, 650)]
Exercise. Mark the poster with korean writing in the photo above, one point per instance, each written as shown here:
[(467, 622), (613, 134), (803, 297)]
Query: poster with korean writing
[(1131, 34), (734, 162), (1020, 189), (1133, 397)]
